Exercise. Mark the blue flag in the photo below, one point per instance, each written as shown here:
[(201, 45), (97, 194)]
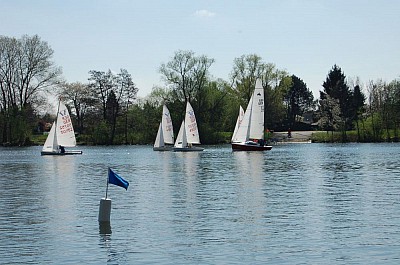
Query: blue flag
[(113, 178)]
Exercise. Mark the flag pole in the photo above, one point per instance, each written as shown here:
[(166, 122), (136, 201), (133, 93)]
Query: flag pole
[(105, 206), (107, 181)]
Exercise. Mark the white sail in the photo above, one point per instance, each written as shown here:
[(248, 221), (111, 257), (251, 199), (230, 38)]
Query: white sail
[(257, 113), (64, 129), (167, 128), (252, 125), (238, 122), (159, 138), (51, 144), (181, 140), (192, 133), (61, 135), (242, 134)]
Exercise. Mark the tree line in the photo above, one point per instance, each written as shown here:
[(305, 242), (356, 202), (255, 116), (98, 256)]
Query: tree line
[(106, 110)]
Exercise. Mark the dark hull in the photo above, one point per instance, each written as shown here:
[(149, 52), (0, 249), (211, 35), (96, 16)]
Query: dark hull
[(188, 149), (250, 147), (72, 152)]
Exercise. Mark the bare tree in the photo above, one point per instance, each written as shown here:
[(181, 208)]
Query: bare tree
[(115, 93), (26, 71), (81, 98), (101, 83)]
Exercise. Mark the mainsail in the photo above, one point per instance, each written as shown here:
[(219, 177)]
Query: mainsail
[(192, 133)]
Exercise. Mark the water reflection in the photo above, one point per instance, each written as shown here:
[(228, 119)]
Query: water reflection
[(298, 204), (250, 176)]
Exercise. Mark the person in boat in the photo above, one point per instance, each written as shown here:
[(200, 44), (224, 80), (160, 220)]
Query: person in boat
[(261, 142), (62, 149)]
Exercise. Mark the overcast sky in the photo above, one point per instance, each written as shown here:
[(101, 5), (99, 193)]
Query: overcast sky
[(304, 37)]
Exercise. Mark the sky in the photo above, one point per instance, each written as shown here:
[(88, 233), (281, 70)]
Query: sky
[(304, 37)]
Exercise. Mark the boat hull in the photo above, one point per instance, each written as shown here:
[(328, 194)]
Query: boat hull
[(162, 148), (250, 147), (188, 149), (72, 152)]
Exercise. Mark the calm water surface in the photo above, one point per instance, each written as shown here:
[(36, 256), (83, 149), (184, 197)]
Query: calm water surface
[(297, 204)]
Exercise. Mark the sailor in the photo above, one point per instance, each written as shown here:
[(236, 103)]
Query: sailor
[(62, 149)]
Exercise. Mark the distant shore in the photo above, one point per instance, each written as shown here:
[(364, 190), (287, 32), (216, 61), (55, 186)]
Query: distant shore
[(296, 136)]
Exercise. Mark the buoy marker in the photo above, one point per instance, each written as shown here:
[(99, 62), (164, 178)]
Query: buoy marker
[(105, 203)]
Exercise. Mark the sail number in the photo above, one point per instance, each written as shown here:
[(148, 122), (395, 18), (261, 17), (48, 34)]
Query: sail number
[(67, 125), (192, 127), (261, 104)]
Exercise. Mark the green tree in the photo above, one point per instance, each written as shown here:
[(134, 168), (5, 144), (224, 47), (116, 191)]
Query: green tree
[(395, 86), (336, 87), (358, 103), (186, 74), (246, 70), (298, 98), (117, 90), (112, 112), (213, 112), (329, 113), (375, 107)]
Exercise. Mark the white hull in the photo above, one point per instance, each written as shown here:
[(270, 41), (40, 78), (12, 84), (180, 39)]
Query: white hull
[(163, 148)]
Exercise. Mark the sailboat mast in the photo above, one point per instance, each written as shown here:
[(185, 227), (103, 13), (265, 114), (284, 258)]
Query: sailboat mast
[(55, 141)]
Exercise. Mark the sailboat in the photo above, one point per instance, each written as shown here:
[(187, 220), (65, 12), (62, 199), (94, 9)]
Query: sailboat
[(165, 135), (250, 133), (188, 133), (238, 122), (61, 135)]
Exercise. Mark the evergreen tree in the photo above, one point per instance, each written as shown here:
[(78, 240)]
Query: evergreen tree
[(336, 87), (298, 98), (112, 111)]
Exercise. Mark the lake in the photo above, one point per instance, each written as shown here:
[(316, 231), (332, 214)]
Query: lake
[(295, 204)]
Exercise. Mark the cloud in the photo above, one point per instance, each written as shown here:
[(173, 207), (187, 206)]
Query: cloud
[(204, 13)]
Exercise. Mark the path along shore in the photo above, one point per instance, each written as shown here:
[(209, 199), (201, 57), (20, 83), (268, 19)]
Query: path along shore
[(297, 137)]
